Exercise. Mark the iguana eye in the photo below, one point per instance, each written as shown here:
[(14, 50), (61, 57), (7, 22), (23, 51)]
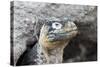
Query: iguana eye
[(56, 25)]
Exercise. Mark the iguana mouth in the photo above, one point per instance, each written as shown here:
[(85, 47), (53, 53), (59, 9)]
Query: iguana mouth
[(60, 36)]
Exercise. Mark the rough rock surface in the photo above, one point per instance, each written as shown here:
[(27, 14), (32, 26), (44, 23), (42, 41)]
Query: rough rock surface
[(85, 17)]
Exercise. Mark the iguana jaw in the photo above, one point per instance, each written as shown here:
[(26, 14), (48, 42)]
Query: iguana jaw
[(52, 37)]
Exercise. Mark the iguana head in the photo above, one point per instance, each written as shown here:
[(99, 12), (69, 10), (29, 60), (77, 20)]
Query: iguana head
[(55, 32)]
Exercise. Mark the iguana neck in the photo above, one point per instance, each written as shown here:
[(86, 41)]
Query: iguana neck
[(54, 55), (51, 56)]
